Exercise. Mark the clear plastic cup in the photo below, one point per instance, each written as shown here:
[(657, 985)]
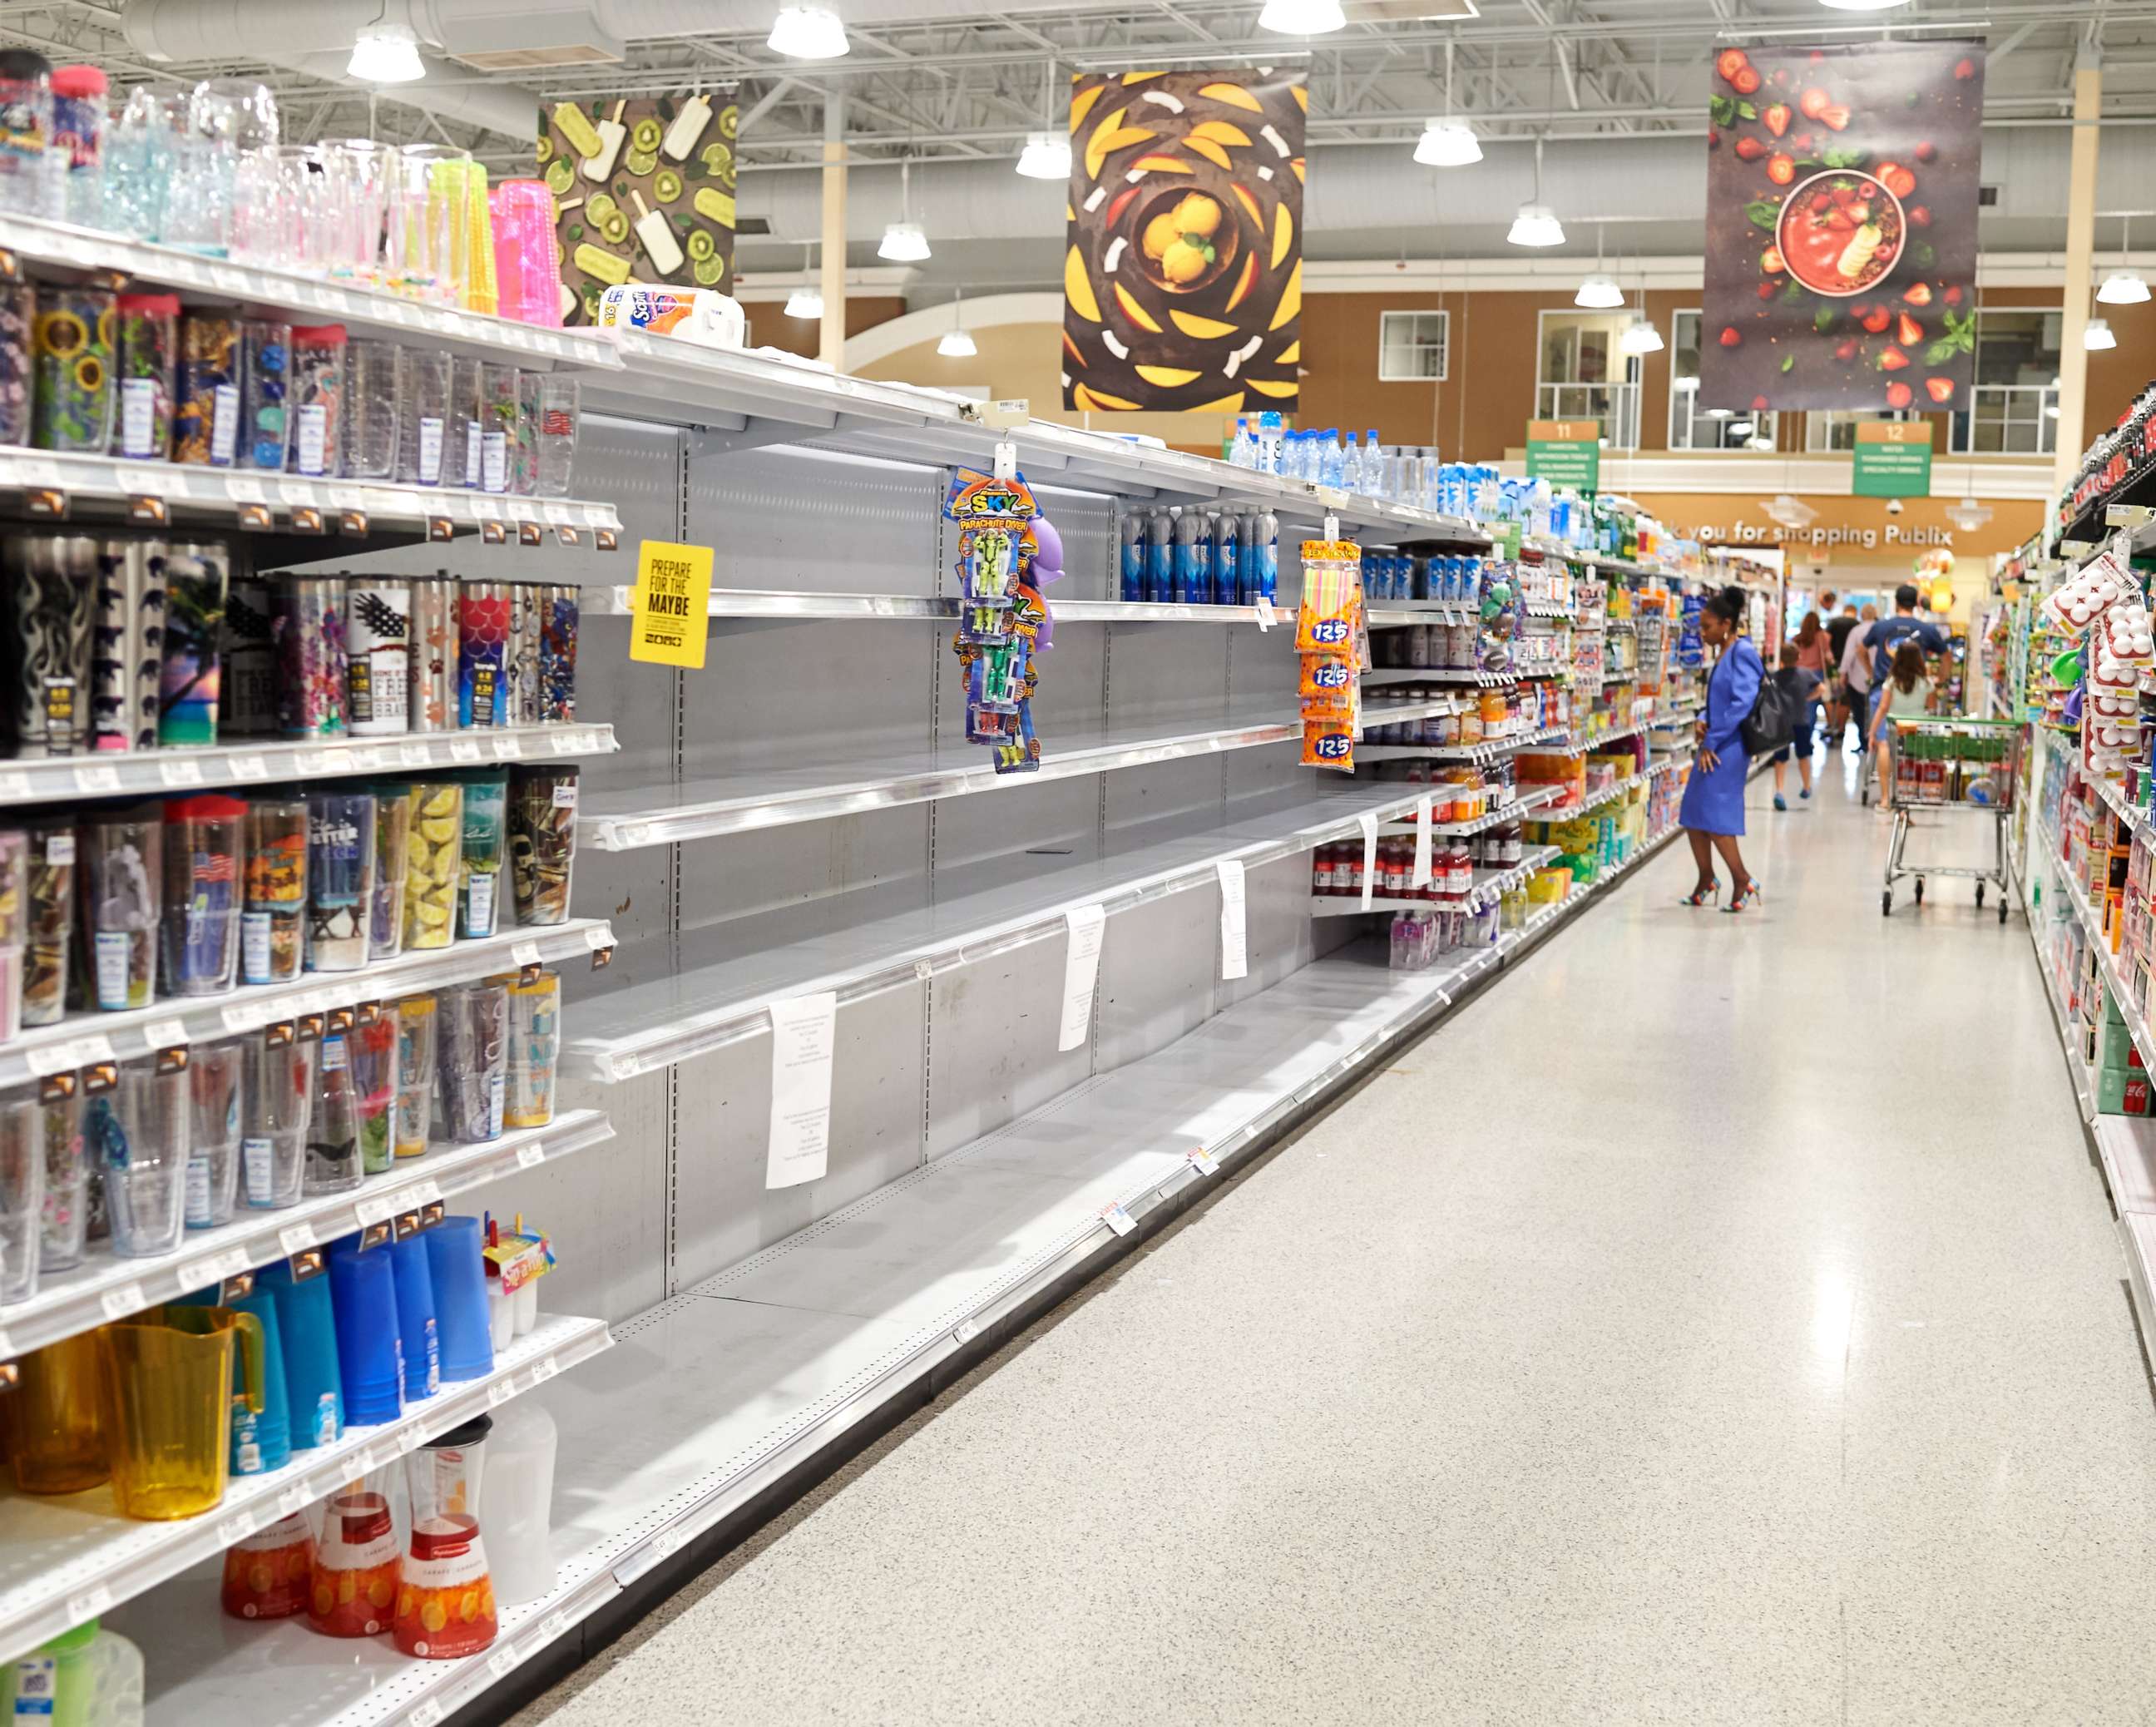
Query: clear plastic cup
[(136, 1133), (21, 1191), (215, 1087), (276, 1105)]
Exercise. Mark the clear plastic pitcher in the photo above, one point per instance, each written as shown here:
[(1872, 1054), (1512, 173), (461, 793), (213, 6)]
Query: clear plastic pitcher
[(168, 1392)]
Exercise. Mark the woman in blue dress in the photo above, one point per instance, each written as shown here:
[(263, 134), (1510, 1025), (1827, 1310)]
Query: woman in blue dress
[(1712, 813)]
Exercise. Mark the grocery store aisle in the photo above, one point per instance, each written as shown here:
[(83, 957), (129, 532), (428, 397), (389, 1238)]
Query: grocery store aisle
[(1718, 1320)]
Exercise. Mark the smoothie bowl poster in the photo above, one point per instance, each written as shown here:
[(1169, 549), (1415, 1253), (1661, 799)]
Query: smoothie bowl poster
[(1842, 201), (1182, 276)]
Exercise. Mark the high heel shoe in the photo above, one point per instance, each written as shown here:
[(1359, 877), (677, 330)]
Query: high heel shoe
[(1749, 894), (1702, 896)]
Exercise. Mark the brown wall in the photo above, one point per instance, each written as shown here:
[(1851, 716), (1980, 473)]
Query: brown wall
[(768, 325)]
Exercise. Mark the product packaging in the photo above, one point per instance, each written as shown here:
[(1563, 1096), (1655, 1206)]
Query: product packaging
[(51, 605), (535, 1046), (273, 926), (205, 414), (418, 1024), (482, 652), (127, 645), (122, 852), (319, 398), (434, 863), (49, 919), (148, 361), (193, 577), (542, 834), (72, 404), (18, 363), (377, 655), (423, 447), (486, 846), (309, 628), (204, 842), (340, 879)]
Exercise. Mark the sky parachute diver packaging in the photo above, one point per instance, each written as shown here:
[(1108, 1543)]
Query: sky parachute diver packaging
[(1001, 617)]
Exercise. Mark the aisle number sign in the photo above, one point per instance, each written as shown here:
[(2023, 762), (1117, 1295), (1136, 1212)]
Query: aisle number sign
[(672, 595), (1893, 459), (1565, 452)]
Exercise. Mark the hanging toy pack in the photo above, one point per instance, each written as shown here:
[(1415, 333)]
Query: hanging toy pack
[(1332, 640), (1004, 560)]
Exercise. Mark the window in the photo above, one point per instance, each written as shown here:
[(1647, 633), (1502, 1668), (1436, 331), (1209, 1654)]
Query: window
[(2013, 407), (1411, 345), (1584, 374), (1692, 427), (1831, 429)]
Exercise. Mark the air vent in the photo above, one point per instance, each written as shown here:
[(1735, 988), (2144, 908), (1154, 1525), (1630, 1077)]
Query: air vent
[(748, 227), (537, 59), (1987, 196), (527, 36)]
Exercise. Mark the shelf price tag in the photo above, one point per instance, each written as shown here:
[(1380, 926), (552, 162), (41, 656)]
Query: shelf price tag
[(1267, 617), (672, 602), (1119, 1221), (1234, 948), (1203, 1164)]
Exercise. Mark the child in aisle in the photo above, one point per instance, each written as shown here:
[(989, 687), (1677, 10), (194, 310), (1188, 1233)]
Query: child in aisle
[(1906, 693), (1802, 685)]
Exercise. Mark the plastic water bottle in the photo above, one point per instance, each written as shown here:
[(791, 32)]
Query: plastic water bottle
[(1269, 441), (1351, 466), (1131, 534), (1373, 465), (1261, 558), (1192, 587), (1227, 558), (1333, 460), (1243, 452), (1160, 555)]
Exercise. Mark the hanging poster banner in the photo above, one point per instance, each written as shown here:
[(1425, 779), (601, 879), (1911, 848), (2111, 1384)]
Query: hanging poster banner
[(1182, 278), (643, 192), (1892, 459), (1842, 201)]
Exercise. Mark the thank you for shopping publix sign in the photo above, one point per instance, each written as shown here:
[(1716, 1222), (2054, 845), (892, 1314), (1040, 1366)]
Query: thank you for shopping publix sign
[(1841, 198), (1565, 452)]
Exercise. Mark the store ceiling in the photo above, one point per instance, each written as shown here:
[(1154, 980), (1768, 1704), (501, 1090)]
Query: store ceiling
[(955, 90)]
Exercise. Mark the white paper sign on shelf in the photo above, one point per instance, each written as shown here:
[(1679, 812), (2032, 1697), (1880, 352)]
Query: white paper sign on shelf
[(1422, 843), (803, 1034), (1085, 926), (1267, 617), (1368, 822), (1235, 949)]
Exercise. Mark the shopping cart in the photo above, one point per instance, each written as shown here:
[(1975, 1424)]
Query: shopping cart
[(1938, 765)]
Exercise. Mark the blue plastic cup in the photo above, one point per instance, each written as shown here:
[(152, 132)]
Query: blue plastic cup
[(415, 1320), (369, 1343), (453, 1255), (260, 1442), (313, 1379)]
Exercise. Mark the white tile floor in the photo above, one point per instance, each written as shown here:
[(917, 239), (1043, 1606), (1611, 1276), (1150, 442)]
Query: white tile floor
[(1717, 1321)]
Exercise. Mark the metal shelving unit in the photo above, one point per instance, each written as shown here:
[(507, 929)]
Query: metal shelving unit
[(1489, 884)]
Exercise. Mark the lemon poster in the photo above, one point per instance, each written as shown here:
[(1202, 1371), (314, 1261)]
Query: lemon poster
[(1183, 278), (643, 192)]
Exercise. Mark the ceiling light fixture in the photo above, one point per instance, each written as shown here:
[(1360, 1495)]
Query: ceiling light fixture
[(1046, 157), (1788, 512), (957, 343), (2096, 334), (1862, 5), (1447, 142), (807, 32), (1640, 337), (2123, 286), (1741, 428), (1599, 292), (1537, 225), (1968, 515), (806, 300), (1302, 17), (385, 53), (905, 241)]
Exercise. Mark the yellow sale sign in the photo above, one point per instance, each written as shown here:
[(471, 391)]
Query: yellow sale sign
[(673, 596)]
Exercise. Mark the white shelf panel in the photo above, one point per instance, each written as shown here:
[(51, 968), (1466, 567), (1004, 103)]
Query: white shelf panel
[(107, 1287), (2127, 1146), (1433, 674), (250, 762), (632, 817), (65, 1560), (1489, 884), (782, 604), (218, 493), (365, 311), (712, 990), (1587, 746), (81, 1039), (1392, 613), (736, 1382)]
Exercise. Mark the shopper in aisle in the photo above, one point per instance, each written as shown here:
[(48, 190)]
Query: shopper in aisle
[(1905, 693), (1839, 625), (1712, 813), (1883, 637), (1812, 645), (1800, 683), (1856, 674)]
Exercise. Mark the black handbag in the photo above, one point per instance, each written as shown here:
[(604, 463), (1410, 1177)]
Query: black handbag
[(1772, 717)]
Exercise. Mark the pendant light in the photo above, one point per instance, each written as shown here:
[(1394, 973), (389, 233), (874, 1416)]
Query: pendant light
[(905, 241), (2096, 335), (2123, 286), (807, 32), (1536, 224), (1599, 292), (1302, 17), (1862, 5), (957, 343), (1448, 143), (806, 300), (385, 53), (1047, 153), (1640, 336)]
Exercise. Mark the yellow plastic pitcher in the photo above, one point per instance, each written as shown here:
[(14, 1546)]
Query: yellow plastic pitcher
[(55, 1419), (168, 1396)]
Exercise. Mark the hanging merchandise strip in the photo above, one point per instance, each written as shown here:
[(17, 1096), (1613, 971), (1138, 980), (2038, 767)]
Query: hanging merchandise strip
[(1007, 553), (1332, 640)]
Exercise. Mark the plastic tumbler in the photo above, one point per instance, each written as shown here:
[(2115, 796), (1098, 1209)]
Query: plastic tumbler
[(340, 879), (205, 430), (313, 1379), (127, 653), (54, 1419), (471, 1065), (377, 656), (363, 1290), (266, 377), (436, 857), (459, 1273), (189, 675), (67, 1176), (333, 1161), (21, 1191), (276, 1105), (535, 1044), (485, 845), (415, 1318), (14, 927), (432, 671), (49, 919), (204, 843), (123, 852), (542, 841), (393, 850), (307, 626), (374, 406), (319, 399), (215, 1083), (422, 445), (18, 323), (72, 407), (51, 585), (273, 926), (373, 1045), (148, 362), (416, 1025), (137, 1136), (557, 433), (482, 654)]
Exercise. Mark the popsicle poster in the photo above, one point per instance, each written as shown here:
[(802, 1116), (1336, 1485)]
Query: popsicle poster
[(643, 192), (1183, 275)]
